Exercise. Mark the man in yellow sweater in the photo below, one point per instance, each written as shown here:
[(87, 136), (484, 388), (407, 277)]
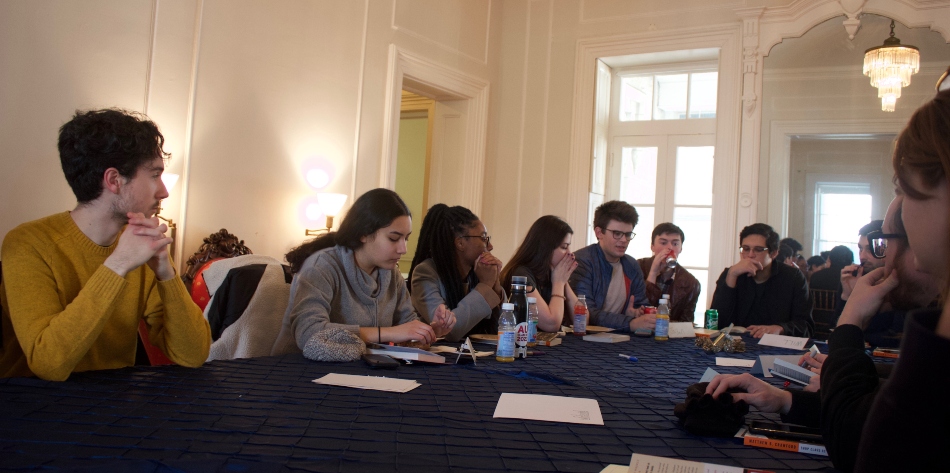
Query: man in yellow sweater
[(76, 284)]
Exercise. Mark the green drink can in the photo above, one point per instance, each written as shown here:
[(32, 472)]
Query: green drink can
[(712, 319)]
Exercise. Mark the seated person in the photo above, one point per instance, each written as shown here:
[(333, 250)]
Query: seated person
[(815, 264), (786, 255), (453, 266), (829, 279), (906, 429), (348, 279), (797, 259), (611, 279), (683, 289), (77, 283), (545, 258), (759, 292)]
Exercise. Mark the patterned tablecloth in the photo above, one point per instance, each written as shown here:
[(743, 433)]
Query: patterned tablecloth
[(265, 414)]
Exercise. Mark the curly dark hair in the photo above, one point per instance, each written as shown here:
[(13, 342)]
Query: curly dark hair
[(615, 210), (765, 230), (544, 236), (96, 140), (437, 241), (373, 210)]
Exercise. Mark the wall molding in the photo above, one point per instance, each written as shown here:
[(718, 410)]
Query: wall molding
[(189, 134), (444, 81), (673, 11), (406, 31), (849, 72)]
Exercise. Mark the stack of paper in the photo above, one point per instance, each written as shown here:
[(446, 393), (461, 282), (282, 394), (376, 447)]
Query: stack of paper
[(378, 383)]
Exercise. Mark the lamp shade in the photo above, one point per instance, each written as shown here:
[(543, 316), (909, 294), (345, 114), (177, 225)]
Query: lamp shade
[(331, 203)]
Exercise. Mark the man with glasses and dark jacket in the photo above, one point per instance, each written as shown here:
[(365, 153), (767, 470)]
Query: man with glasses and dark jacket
[(609, 277), (759, 292)]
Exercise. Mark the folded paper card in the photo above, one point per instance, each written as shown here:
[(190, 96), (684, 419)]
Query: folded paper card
[(708, 375), (783, 341), (377, 383), (650, 464), (723, 361), (682, 330), (765, 363), (574, 410)]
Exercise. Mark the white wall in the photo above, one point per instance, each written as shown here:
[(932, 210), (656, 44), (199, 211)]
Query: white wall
[(245, 92)]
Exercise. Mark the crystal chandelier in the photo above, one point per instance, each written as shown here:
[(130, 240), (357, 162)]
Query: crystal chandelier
[(890, 67)]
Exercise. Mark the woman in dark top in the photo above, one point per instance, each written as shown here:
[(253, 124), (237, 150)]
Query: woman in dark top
[(545, 258)]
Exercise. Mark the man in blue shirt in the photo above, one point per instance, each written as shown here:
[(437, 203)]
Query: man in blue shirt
[(611, 279)]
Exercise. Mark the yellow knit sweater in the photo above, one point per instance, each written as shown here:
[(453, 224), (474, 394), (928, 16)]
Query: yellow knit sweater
[(63, 311)]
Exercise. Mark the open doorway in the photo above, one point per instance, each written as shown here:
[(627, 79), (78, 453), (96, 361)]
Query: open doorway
[(414, 156)]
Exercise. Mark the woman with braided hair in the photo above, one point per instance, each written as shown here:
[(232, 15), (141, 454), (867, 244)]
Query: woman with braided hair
[(453, 266)]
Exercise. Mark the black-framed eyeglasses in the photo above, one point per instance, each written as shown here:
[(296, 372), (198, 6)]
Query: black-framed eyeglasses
[(484, 238), (877, 240), (756, 250), (617, 234)]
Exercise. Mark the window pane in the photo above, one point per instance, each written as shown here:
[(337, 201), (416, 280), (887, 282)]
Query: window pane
[(670, 97), (702, 94), (638, 175), (840, 217), (702, 276), (640, 245), (694, 175), (696, 223), (636, 98)]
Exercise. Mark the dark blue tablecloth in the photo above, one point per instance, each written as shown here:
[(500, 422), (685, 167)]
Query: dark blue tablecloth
[(265, 414)]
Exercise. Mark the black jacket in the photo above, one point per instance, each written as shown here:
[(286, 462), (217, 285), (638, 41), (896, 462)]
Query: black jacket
[(781, 300)]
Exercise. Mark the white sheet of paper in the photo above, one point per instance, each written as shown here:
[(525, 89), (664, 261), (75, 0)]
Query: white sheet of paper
[(377, 383), (651, 464), (723, 361), (615, 469), (574, 410), (783, 341), (682, 330), (708, 375)]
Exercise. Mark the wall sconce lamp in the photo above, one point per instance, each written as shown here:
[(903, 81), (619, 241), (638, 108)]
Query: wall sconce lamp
[(331, 204), (169, 180)]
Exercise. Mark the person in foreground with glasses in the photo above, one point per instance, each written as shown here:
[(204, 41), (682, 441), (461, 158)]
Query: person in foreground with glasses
[(545, 258), (759, 292), (349, 280), (611, 279), (453, 265), (906, 429)]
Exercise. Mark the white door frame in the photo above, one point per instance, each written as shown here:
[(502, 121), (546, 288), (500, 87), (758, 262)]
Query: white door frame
[(437, 81), (780, 141)]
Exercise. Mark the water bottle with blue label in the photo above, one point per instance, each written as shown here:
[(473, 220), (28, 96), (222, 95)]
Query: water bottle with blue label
[(506, 333), (532, 322)]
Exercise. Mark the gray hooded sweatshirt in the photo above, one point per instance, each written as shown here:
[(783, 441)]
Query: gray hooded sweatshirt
[(330, 290)]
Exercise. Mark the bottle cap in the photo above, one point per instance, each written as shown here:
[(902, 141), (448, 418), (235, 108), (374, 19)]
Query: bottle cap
[(664, 301), (666, 296), (520, 280), (532, 300), (581, 297), (507, 306)]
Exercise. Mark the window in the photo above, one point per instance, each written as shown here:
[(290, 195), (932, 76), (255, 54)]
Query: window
[(668, 96), (842, 207)]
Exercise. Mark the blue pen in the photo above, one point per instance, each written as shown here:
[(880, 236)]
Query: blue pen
[(628, 358)]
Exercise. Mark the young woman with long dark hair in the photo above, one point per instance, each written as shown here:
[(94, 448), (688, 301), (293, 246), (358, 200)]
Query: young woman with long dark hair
[(545, 258), (453, 265), (348, 279)]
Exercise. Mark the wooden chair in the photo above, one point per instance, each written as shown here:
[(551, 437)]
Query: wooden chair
[(823, 312)]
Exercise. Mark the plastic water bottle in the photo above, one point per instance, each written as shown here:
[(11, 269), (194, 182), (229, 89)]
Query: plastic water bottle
[(506, 334), (580, 316), (662, 329), (532, 322)]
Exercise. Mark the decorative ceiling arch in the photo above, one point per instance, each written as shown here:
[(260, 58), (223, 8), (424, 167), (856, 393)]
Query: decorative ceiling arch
[(795, 19)]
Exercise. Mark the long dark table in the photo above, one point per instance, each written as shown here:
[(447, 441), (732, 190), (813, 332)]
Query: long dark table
[(265, 414)]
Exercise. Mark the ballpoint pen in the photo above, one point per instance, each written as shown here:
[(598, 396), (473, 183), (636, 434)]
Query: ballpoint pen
[(628, 358)]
